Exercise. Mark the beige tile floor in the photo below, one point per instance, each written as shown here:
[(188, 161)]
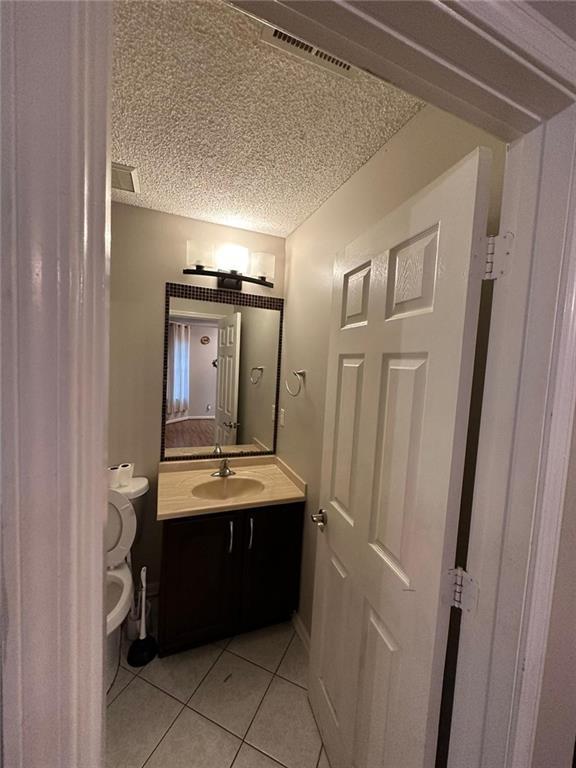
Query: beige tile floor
[(238, 703)]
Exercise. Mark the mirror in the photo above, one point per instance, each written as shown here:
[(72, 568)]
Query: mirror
[(221, 372)]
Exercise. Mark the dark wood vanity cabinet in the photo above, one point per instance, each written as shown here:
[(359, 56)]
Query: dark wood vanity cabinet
[(229, 572), (199, 587)]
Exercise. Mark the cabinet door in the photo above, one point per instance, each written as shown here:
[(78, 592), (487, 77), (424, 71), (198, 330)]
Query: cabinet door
[(201, 574), (271, 581)]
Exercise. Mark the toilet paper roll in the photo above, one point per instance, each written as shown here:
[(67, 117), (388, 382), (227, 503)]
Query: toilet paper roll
[(126, 472), (113, 477)]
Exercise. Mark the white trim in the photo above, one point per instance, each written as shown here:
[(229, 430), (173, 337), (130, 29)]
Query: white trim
[(190, 418), (445, 63), (553, 477), (177, 419), (301, 631), (529, 31), (210, 319), (54, 358), (496, 450), (512, 452)]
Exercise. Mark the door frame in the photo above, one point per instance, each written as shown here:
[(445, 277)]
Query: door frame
[(541, 292), (55, 234), (522, 461)]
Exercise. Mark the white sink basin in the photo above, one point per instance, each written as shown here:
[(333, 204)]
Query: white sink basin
[(222, 488)]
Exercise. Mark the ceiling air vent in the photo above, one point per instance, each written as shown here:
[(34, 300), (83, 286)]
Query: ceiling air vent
[(125, 178), (303, 50)]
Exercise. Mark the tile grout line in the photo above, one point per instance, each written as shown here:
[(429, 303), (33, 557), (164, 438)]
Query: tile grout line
[(205, 717), (219, 725), (317, 728), (109, 703), (267, 689), (270, 671), (210, 668), (309, 706), (187, 705), (287, 679), (274, 760), (274, 675), (158, 688), (182, 708)]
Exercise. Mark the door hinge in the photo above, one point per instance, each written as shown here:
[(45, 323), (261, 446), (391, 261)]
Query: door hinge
[(498, 252), (464, 590)]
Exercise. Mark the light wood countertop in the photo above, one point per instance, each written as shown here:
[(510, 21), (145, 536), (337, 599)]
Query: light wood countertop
[(177, 481)]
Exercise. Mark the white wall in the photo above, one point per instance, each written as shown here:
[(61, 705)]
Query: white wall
[(148, 250), (202, 378), (202, 373), (426, 147)]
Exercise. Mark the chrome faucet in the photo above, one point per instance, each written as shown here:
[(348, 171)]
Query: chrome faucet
[(224, 470)]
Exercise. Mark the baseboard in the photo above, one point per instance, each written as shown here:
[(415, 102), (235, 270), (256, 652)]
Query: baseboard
[(301, 630), (190, 418)]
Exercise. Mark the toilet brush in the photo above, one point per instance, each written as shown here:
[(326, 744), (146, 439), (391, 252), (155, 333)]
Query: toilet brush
[(144, 648)]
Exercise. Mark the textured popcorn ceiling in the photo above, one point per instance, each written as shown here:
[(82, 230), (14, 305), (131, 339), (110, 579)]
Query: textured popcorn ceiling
[(225, 128)]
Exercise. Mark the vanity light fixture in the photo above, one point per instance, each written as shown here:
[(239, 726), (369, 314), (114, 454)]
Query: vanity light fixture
[(230, 257), (229, 264)]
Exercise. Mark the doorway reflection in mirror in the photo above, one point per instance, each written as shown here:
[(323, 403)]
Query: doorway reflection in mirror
[(221, 379)]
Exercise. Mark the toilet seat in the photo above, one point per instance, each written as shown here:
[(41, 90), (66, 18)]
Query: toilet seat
[(119, 592), (120, 529)]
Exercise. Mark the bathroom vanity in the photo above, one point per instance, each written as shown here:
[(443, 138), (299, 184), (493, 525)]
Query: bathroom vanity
[(231, 548)]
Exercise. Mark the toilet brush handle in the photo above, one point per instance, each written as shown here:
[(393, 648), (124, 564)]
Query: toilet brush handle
[(143, 604)]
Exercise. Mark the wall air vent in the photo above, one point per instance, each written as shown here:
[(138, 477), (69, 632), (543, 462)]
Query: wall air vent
[(303, 50), (125, 178)]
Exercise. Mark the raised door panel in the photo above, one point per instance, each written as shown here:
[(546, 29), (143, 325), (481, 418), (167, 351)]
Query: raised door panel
[(346, 417), (399, 425), (379, 676), (335, 655), (201, 572)]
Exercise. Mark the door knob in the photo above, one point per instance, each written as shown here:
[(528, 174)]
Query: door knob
[(320, 518), (232, 424)]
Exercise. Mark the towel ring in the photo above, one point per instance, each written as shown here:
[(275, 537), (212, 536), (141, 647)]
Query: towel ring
[(300, 376), (256, 374)]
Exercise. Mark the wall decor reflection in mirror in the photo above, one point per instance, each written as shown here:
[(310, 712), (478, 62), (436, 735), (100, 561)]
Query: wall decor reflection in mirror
[(221, 372)]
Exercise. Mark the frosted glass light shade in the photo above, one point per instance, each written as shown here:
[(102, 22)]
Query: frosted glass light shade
[(229, 256), (262, 264)]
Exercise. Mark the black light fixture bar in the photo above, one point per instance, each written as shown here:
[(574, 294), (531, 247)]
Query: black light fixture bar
[(231, 280)]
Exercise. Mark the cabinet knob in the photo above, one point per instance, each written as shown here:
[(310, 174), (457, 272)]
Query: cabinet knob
[(320, 518)]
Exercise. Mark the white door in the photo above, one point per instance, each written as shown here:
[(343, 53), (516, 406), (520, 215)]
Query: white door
[(403, 331), (228, 370)]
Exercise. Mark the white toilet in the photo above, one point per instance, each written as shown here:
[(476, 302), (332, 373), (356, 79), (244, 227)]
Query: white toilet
[(120, 533)]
